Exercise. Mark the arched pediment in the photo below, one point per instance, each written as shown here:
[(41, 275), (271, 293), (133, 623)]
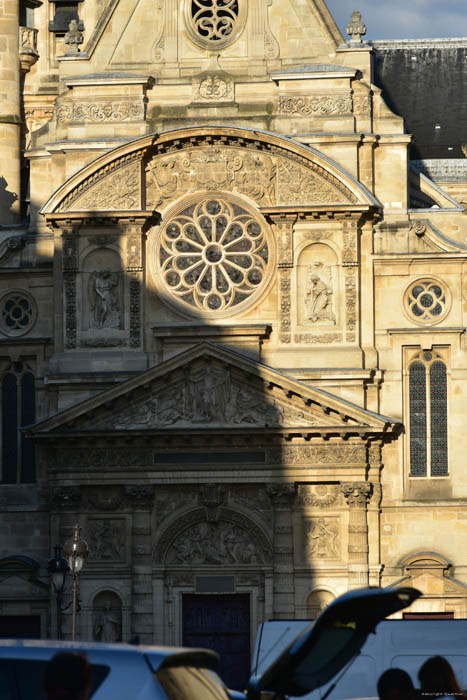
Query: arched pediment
[(155, 171)]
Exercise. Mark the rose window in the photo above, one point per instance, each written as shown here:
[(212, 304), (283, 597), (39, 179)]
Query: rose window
[(427, 301), (213, 256), (214, 23), (17, 313)]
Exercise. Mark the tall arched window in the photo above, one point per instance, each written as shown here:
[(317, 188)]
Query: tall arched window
[(428, 435), (18, 409)]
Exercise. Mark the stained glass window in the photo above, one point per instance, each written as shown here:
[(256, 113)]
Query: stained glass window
[(417, 391), (428, 439), (18, 409)]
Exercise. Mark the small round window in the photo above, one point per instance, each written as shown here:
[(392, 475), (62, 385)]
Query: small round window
[(214, 24), (427, 301), (17, 313)]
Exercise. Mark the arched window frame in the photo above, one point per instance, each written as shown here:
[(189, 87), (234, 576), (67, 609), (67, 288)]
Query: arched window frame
[(18, 409), (427, 415)]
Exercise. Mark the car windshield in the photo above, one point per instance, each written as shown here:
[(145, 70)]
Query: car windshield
[(190, 683)]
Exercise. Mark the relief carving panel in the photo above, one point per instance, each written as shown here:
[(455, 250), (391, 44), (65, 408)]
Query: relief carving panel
[(214, 543), (106, 539), (322, 538)]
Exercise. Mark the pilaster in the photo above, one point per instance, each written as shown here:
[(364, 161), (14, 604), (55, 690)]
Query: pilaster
[(357, 494), (282, 497)]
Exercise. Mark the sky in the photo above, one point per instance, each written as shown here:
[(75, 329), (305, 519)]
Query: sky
[(404, 19)]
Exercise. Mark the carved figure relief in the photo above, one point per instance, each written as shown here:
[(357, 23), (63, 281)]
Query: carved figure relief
[(107, 614), (208, 395), (214, 543), (106, 540), (321, 538), (318, 294), (103, 299)]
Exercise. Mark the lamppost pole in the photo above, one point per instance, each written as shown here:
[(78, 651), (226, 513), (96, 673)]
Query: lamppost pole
[(76, 550), (58, 569)]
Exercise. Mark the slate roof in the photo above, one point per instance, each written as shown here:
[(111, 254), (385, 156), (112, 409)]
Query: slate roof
[(425, 81)]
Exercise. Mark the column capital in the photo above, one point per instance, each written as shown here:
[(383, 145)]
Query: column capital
[(357, 493), (281, 494)]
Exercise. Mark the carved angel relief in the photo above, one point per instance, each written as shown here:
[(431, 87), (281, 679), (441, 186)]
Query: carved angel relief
[(208, 395), (322, 538)]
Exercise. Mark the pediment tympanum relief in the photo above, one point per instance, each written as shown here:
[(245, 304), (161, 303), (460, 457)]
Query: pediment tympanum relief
[(155, 171), (207, 394), (209, 387)]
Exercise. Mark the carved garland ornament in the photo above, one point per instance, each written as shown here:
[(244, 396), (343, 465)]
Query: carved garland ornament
[(213, 256)]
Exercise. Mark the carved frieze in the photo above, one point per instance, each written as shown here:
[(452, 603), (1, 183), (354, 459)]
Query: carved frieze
[(318, 495), (323, 338), (214, 543), (322, 538), (321, 454), (106, 539), (363, 104), (101, 111), (318, 105)]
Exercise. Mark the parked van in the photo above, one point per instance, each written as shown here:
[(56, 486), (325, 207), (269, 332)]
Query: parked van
[(405, 644)]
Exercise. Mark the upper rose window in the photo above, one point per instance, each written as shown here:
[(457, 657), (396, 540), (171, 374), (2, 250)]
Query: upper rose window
[(214, 24), (213, 257)]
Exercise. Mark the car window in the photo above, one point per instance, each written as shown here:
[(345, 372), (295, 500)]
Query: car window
[(21, 679), (190, 683)]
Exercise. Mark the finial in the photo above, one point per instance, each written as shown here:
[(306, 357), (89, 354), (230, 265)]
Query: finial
[(356, 28)]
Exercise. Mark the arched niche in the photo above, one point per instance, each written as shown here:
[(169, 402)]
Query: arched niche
[(316, 602), (318, 287), (107, 617), (102, 291)]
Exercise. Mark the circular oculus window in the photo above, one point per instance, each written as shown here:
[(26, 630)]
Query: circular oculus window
[(213, 257), (214, 24), (427, 301), (17, 313)]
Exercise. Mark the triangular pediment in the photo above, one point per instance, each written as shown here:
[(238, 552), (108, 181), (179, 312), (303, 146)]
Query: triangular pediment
[(209, 387)]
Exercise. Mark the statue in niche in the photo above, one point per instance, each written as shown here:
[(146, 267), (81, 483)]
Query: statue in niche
[(103, 299), (107, 626), (318, 295)]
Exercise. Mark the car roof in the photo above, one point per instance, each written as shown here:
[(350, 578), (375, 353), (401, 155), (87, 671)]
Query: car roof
[(157, 656)]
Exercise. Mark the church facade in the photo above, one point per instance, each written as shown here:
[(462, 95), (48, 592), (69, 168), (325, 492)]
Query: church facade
[(232, 328)]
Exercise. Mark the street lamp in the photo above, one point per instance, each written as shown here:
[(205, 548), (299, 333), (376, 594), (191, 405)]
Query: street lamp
[(76, 550), (58, 569)]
